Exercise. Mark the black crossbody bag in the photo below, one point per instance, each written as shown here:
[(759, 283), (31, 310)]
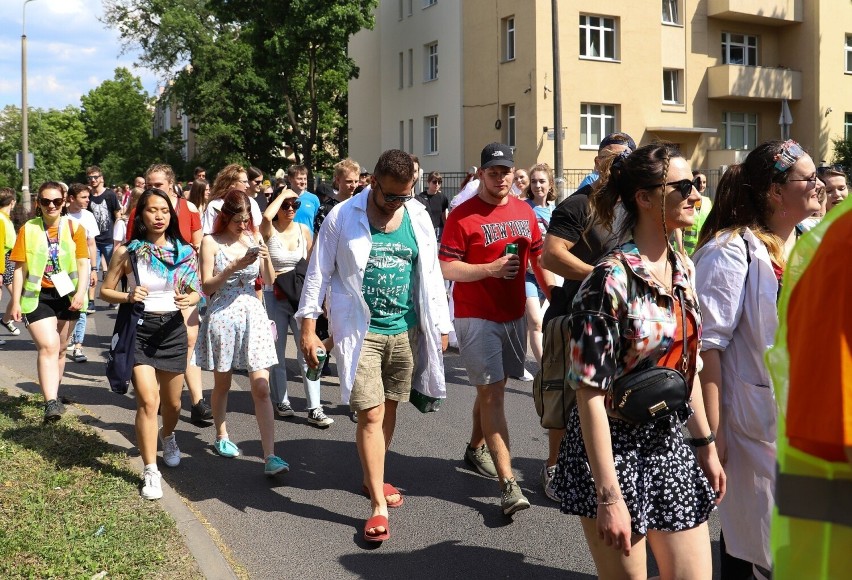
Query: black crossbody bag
[(653, 392)]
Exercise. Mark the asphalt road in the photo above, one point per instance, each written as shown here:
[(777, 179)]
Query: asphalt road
[(308, 523)]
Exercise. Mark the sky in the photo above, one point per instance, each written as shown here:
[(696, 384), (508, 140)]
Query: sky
[(69, 52)]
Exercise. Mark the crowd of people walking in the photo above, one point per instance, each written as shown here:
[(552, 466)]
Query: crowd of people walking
[(657, 284)]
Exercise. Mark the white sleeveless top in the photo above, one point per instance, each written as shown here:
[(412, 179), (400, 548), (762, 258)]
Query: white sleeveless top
[(285, 260), (161, 292)]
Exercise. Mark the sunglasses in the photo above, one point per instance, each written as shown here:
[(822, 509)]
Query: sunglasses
[(55, 202), (93, 177), (438, 181), (257, 181), (826, 168), (393, 198), (292, 204), (684, 186)]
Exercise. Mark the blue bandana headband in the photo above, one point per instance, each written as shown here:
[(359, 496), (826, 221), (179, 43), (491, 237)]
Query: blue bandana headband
[(787, 157)]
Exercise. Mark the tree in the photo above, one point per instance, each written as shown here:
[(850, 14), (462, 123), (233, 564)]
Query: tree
[(118, 119), (843, 153), (254, 75), (55, 140)]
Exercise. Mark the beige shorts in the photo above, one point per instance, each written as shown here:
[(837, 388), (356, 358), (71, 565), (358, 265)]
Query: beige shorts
[(384, 370)]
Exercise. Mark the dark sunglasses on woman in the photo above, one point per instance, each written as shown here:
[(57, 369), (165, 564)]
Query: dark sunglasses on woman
[(294, 204), (684, 186), (56, 202)]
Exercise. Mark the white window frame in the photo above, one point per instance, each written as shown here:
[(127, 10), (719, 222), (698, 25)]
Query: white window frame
[(606, 26), (672, 86), (671, 12), (430, 70), (749, 46), (749, 126), (509, 38), (847, 126), (849, 54), (430, 131), (511, 120), (605, 117)]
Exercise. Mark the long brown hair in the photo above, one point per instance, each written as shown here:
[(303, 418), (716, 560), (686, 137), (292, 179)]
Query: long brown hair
[(225, 180), (742, 200)]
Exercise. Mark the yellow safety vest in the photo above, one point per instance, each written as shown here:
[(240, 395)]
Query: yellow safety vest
[(35, 241), (811, 532)]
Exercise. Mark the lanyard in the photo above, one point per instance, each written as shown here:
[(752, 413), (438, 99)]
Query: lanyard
[(53, 252)]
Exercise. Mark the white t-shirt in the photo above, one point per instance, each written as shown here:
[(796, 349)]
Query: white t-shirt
[(88, 221), (215, 206), (119, 231)]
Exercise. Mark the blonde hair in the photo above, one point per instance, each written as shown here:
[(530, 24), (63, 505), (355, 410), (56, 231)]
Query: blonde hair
[(225, 180), (345, 166)]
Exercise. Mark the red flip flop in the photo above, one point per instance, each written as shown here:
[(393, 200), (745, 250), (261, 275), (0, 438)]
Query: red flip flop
[(375, 522), (387, 489)]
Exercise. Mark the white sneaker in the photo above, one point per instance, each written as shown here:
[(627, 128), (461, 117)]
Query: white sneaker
[(526, 377), (151, 488), (171, 453), (318, 417)]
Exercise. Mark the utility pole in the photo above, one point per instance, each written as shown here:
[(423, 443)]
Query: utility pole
[(25, 130), (557, 105)]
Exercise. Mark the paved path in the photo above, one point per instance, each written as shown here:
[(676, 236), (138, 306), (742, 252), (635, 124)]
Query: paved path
[(308, 523)]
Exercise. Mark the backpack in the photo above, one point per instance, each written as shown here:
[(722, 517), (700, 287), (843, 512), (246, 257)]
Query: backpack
[(554, 398)]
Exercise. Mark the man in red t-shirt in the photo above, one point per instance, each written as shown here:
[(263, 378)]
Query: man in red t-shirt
[(489, 306)]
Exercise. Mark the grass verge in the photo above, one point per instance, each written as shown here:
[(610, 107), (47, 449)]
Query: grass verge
[(70, 505)]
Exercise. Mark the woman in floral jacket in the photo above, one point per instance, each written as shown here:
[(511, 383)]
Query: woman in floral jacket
[(625, 481)]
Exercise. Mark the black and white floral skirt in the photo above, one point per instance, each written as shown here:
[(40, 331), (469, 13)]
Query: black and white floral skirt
[(660, 480)]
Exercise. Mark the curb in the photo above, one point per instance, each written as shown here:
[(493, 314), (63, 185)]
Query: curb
[(212, 563)]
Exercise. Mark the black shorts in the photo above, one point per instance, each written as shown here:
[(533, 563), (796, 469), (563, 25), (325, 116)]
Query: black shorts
[(10, 270), (51, 304)]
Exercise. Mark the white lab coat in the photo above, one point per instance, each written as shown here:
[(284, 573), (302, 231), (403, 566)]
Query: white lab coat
[(336, 270), (738, 300)]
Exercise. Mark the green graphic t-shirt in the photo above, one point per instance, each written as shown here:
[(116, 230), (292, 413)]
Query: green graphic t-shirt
[(388, 288)]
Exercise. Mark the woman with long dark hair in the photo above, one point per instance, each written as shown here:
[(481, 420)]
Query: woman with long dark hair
[(50, 286), (168, 284), (741, 256), (626, 481), (199, 194), (236, 333)]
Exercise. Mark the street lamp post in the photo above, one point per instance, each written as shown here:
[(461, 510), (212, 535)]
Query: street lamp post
[(557, 104), (25, 139)]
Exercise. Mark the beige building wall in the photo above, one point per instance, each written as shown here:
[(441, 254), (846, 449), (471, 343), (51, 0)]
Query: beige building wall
[(800, 57), (393, 101)]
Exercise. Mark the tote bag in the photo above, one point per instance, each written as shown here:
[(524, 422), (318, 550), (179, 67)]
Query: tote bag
[(122, 347)]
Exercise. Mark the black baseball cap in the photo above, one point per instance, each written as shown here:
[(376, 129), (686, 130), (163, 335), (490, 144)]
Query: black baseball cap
[(496, 154), (618, 139)]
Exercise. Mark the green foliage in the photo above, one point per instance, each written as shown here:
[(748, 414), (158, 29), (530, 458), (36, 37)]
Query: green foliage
[(56, 138), (843, 153), (254, 75), (118, 120)]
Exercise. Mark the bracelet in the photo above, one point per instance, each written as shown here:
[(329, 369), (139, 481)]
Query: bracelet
[(702, 441), (611, 502)]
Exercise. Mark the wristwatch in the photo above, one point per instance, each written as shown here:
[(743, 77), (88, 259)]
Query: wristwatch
[(702, 441)]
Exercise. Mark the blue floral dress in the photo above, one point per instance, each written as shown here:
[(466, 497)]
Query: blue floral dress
[(622, 318), (235, 334)]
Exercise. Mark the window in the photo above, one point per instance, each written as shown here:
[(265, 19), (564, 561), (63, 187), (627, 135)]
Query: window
[(510, 119), (739, 130), (596, 121), (411, 135), (509, 38), (847, 126), (402, 134), (401, 69), (597, 37), (671, 86), (431, 62), (410, 7), (410, 67), (428, 3), (430, 129), (400, 10), (849, 53), (670, 13), (739, 49)]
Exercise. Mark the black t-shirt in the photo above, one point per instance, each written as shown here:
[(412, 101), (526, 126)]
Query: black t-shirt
[(104, 207), (569, 222), (436, 205), (324, 209)]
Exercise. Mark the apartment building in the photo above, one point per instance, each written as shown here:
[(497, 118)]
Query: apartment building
[(168, 115), (713, 76)]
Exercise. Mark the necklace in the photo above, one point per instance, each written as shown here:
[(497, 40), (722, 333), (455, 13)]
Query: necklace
[(667, 285)]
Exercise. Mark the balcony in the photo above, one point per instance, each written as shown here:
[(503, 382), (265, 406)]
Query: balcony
[(733, 81), (763, 12), (726, 157)]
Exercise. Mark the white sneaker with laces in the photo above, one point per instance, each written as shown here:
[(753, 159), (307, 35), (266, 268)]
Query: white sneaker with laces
[(318, 417), (171, 453), (151, 488)]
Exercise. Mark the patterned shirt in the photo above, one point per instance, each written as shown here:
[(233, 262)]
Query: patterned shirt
[(620, 321)]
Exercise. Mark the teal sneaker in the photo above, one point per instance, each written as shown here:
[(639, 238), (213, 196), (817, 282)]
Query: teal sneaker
[(226, 448), (275, 464)]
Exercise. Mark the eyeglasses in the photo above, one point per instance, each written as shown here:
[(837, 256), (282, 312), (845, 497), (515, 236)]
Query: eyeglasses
[(684, 186), (291, 204), (241, 219), (393, 198), (93, 177), (55, 202), (812, 179), (438, 181), (243, 181)]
